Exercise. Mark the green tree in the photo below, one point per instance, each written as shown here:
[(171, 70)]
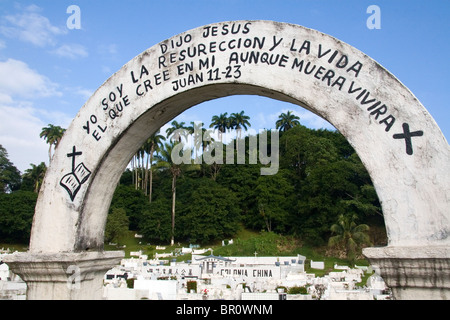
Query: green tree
[(164, 161), (196, 130), (35, 175), (320, 178), (329, 180), (293, 150), (133, 201), (117, 225), (239, 121), (287, 121), (16, 215), (156, 221), (210, 213), (154, 143), (139, 168), (349, 235), (52, 134), (220, 123), (10, 179), (175, 131), (242, 181), (273, 195)]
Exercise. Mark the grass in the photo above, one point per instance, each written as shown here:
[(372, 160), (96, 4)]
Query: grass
[(246, 242), (130, 243), (14, 246)]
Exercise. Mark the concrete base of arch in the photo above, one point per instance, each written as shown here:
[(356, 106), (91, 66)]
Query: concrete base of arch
[(414, 273), (64, 276)]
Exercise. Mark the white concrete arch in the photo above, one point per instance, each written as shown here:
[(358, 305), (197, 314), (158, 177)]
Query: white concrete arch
[(368, 105), (398, 141)]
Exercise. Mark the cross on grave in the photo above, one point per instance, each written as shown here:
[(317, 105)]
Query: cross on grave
[(407, 135), (73, 155)]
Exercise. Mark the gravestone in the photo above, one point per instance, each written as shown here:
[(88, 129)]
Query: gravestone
[(397, 140)]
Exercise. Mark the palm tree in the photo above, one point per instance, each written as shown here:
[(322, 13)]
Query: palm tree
[(152, 144), (220, 123), (196, 129), (349, 235), (139, 167), (239, 121), (52, 135), (164, 160), (36, 175), (287, 121), (207, 138), (175, 130)]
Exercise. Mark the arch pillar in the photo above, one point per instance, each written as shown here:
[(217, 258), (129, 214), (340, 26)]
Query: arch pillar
[(413, 273), (63, 276)]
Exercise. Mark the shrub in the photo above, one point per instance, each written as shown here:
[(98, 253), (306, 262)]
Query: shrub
[(191, 285), (297, 290)]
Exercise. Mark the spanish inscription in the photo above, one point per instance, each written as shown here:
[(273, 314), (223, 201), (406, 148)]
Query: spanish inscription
[(223, 51)]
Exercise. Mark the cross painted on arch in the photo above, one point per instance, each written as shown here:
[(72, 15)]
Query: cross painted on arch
[(407, 135), (73, 155), (72, 181)]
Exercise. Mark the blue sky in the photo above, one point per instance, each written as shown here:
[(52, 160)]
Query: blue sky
[(48, 71)]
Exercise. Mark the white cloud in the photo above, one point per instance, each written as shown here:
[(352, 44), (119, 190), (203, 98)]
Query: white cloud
[(106, 69), (56, 118), (21, 121), (30, 26), (71, 51), (85, 93), (5, 99), (307, 118), (19, 135), (20, 128), (108, 50), (17, 79), (312, 120)]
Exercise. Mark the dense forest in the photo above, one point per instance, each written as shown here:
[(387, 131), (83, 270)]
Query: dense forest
[(320, 188)]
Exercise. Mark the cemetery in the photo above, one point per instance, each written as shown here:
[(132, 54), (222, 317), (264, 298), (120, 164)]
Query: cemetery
[(11, 286), (210, 277)]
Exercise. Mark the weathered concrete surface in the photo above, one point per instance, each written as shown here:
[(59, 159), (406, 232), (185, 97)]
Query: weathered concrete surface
[(414, 273), (63, 276), (399, 143)]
